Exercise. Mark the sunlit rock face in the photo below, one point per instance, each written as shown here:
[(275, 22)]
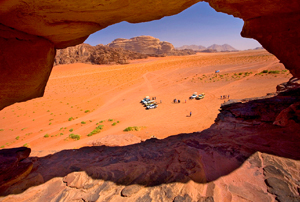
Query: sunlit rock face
[(275, 24), (143, 44), (59, 24), (25, 64)]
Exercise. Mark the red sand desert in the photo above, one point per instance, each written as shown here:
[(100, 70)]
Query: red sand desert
[(80, 97)]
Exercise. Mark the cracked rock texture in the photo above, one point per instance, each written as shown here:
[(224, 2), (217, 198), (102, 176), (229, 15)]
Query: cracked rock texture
[(243, 157), (45, 25)]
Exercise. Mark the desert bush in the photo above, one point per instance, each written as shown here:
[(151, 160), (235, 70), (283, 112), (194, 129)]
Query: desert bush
[(47, 135), (110, 119), (274, 72), (96, 130), (18, 137), (26, 145), (114, 124), (70, 119), (264, 71), (71, 130), (83, 122), (133, 128), (74, 136), (86, 111)]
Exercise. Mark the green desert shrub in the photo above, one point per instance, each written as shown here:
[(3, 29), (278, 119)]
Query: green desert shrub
[(95, 131), (18, 137), (274, 72), (26, 145), (70, 119), (133, 128), (74, 136), (47, 135)]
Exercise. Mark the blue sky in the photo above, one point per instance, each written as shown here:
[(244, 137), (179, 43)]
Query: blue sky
[(197, 25)]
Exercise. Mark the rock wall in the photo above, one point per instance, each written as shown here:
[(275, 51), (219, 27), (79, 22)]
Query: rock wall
[(59, 24), (143, 44), (100, 54)]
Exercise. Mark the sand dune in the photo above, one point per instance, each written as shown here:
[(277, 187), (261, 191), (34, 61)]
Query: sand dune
[(80, 97)]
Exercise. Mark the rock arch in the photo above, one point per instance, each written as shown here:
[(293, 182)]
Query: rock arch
[(30, 32)]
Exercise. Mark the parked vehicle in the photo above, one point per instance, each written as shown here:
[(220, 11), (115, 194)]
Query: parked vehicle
[(151, 106), (150, 102), (145, 100), (200, 96), (194, 95)]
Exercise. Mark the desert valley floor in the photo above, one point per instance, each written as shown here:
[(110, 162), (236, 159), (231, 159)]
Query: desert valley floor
[(80, 97)]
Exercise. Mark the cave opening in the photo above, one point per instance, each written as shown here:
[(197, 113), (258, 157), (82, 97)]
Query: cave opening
[(251, 150)]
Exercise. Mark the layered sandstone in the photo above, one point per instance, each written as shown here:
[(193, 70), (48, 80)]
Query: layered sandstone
[(144, 44), (100, 54)]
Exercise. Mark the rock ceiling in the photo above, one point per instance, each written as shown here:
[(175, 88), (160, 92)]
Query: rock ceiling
[(30, 31)]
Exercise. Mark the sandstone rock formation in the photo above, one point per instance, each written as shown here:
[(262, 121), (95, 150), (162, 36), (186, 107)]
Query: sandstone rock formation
[(143, 44), (148, 45), (242, 157), (45, 25), (100, 54)]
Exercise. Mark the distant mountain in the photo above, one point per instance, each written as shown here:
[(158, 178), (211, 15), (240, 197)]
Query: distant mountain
[(212, 48), (192, 47), (222, 48), (258, 48)]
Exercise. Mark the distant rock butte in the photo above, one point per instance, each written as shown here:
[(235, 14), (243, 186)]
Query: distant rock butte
[(147, 45)]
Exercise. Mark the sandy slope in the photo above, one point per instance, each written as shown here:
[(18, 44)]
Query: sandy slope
[(92, 93)]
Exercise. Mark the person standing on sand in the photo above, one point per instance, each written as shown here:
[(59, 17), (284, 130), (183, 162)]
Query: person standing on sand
[(190, 113)]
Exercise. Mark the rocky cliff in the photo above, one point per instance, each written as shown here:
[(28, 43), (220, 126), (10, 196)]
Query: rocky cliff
[(148, 45), (250, 153), (100, 54)]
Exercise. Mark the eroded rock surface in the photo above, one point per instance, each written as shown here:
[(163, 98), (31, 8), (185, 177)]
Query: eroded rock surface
[(59, 24), (100, 54), (242, 157), (144, 44)]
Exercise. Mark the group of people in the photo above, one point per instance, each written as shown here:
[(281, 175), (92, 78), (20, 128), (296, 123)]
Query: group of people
[(177, 101), (224, 97)]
